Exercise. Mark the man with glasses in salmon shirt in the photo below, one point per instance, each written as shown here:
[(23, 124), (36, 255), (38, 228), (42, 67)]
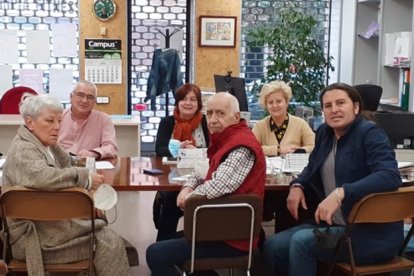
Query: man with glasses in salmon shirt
[(86, 132)]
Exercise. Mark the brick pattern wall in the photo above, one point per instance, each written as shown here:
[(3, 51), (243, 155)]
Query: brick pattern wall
[(38, 15), (147, 15)]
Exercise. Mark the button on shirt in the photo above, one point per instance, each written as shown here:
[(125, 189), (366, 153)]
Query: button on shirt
[(96, 133)]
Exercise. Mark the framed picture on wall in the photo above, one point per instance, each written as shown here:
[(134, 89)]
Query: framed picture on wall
[(217, 31)]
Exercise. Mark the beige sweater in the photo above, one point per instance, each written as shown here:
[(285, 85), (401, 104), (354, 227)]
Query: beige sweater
[(298, 133), (29, 164)]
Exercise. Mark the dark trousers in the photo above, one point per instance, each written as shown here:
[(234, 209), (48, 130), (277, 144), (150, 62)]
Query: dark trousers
[(166, 214)]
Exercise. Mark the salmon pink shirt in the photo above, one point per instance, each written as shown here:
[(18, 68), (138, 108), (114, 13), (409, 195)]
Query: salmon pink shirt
[(95, 133)]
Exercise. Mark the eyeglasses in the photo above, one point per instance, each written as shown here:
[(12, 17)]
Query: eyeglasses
[(82, 96)]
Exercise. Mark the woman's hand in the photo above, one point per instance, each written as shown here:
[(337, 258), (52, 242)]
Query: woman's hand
[(287, 149), (187, 144), (182, 196), (296, 197), (328, 206), (97, 180)]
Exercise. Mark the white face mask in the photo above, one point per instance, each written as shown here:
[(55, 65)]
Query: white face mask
[(105, 197), (174, 145)]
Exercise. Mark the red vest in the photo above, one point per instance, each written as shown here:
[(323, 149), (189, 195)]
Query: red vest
[(221, 144)]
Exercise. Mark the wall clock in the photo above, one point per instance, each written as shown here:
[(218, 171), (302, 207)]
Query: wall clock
[(104, 9)]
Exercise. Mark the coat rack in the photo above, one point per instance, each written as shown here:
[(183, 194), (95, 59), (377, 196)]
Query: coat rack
[(167, 35)]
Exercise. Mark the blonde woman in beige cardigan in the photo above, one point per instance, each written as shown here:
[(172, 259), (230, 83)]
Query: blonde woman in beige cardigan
[(34, 160), (280, 132)]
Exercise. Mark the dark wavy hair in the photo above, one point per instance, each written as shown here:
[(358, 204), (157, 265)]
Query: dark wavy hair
[(350, 90), (184, 90)]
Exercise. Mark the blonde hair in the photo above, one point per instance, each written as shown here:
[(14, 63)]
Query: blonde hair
[(272, 87)]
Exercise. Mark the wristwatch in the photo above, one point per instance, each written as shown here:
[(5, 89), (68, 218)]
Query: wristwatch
[(104, 9)]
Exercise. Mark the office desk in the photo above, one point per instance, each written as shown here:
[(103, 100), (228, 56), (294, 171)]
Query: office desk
[(127, 133)]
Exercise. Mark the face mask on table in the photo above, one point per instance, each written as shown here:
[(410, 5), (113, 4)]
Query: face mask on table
[(174, 145)]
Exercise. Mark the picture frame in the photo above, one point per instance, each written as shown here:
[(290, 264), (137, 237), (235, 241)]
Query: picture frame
[(217, 31)]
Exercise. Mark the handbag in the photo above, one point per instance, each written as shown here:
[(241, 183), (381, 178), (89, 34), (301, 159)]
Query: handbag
[(327, 239)]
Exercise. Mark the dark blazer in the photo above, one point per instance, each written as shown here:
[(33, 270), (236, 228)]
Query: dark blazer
[(364, 164), (165, 130)]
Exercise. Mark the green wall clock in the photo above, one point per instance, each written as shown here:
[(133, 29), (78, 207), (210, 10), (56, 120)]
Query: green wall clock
[(104, 9)]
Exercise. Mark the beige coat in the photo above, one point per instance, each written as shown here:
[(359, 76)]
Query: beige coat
[(29, 164), (298, 133)]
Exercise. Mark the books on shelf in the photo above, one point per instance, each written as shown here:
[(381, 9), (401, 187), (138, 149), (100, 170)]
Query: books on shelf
[(404, 87)]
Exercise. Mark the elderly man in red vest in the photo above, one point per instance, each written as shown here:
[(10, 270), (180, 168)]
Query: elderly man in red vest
[(237, 166)]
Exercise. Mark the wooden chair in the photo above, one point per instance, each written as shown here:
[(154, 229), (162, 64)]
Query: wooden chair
[(23, 203), (231, 217), (378, 208)]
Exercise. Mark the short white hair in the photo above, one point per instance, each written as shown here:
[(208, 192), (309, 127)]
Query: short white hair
[(33, 105), (86, 83), (272, 87), (234, 103)]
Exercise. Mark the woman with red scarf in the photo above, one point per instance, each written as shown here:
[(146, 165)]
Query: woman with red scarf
[(189, 126)]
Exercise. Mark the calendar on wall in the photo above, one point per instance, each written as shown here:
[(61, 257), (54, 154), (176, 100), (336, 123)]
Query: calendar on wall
[(103, 61)]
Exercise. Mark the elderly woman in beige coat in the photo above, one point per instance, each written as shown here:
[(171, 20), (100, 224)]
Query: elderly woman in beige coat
[(34, 160)]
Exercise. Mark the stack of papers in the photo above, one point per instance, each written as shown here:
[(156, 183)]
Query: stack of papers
[(295, 162)]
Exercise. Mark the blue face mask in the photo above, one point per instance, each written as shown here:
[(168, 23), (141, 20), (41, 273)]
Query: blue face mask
[(174, 145)]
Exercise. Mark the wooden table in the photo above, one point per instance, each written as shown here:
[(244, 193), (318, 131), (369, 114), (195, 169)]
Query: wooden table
[(129, 175)]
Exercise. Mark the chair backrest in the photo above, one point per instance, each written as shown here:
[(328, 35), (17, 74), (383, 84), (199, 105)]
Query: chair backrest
[(233, 217), (224, 218), (370, 94), (25, 203), (384, 207), (9, 103)]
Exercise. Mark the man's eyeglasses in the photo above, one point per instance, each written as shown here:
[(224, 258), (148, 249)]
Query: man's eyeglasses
[(82, 96)]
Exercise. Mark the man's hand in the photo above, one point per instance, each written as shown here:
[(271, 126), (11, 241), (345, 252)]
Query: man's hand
[(296, 197), (88, 153), (327, 208), (182, 196), (97, 180)]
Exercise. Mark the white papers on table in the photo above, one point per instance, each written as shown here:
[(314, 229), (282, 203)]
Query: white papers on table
[(402, 165), (274, 165), (295, 162), (181, 178), (103, 165)]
